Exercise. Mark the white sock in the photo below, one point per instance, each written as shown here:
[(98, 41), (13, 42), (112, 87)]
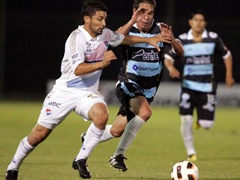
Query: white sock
[(92, 138), (24, 148), (129, 134), (187, 133), (106, 134)]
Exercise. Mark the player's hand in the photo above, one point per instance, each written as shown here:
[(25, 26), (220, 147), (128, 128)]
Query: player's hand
[(137, 15), (166, 29), (229, 81), (154, 41), (173, 72), (107, 58)]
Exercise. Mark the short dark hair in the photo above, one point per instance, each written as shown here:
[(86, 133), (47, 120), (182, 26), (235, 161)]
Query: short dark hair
[(198, 11), (137, 2), (90, 8)]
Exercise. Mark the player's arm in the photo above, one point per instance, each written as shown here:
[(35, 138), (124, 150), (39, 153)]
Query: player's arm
[(126, 28), (177, 46), (169, 64), (85, 68), (154, 40), (228, 65), (176, 43)]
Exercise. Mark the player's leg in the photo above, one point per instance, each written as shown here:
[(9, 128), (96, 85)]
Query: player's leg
[(94, 109), (26, 145), (138, 112), (138, 105), (116, 128), (142, 111), (51, 115), (186, 107), (206, 110)]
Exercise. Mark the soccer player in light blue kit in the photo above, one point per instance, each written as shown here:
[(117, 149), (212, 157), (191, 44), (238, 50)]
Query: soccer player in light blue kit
[(138, 78), (198, 77), (86, 54)]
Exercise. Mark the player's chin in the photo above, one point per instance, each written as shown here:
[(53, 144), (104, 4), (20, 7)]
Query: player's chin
[(99, 31)]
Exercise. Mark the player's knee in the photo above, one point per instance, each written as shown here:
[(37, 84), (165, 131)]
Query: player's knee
[(206, 124), (101, 116), (146, 114), (116, 133)]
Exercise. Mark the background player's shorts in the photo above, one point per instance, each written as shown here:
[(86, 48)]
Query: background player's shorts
[(58, 104), (203, 102)]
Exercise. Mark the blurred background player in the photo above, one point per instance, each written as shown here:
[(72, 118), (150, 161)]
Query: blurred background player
[(138, 78), (198, 76)]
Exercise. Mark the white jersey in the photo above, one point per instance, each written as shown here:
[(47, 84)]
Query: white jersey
[(81, 47)]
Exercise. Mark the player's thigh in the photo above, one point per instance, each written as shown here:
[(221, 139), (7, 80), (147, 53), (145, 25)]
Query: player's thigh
[(206, 107), (56, 107), (187, 102), (91, 105)]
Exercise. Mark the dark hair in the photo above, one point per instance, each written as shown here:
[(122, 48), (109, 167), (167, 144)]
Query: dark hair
[(90, 8), (198, 11), (137, 2)]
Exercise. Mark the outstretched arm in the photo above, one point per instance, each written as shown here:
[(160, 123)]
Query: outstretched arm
[(228, 65), (154, 41), (169, 64), (176, 43), (126, 28)]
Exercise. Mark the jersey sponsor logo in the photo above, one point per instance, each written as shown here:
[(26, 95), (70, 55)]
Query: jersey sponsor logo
[(55, 104), (147, 56), (88, 47), (75, 56), (106, 43), (92, 96), (48, 112), (198, 60), (140, 68), (199, 49), (191, 70)]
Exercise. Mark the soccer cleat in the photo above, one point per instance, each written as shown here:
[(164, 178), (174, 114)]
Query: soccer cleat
[(83, 137), (117, 161), (11, 175), (192, 158), (82, 168)]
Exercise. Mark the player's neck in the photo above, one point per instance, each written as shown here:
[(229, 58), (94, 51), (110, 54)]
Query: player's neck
[(197, 36)]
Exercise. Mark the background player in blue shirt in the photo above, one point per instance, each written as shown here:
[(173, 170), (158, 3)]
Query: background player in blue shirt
[(198, 76)]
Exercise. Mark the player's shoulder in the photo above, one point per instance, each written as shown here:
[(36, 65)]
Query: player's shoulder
[(212, 34), (183, 36)]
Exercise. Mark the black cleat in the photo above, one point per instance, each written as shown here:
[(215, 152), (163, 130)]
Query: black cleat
[(117, 162), (11, 175), (82, 168), (83, 137)]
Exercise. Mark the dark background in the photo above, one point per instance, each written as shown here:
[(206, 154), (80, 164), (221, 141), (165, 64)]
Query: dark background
[(34, 34)]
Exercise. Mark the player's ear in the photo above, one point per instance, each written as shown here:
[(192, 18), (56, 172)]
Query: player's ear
[(190, 22), (86, 19), (206, 24)]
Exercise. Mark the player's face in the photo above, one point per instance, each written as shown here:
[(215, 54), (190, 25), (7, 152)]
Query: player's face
[(145, 18), (96, 23), (198, 23)]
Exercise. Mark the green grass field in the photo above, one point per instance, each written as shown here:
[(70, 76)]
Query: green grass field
[(157, 147)]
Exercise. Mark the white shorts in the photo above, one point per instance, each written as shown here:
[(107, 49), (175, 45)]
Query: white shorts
[(58, 104)]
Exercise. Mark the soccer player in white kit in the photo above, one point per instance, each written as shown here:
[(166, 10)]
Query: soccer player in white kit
[(86, 54)]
